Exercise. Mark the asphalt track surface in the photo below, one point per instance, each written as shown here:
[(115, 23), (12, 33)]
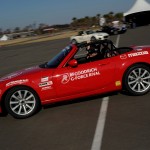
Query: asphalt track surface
[(71, 125)]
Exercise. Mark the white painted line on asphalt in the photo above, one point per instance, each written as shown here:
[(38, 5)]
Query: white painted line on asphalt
[(117, 41), (98, 136), (97, 141)]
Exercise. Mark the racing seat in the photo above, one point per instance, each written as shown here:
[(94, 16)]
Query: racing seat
[(106, 52)]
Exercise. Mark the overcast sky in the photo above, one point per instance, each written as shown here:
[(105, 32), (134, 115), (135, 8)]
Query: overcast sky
[(20, 13)]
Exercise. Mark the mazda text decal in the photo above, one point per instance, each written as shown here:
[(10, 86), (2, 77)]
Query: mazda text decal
[(124, 56), (73, 76), (138, 53)]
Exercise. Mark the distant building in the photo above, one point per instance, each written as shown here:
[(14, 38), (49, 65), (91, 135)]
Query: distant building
[(48, 30)]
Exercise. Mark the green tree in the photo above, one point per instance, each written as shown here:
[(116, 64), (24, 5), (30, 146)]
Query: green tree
[(119, 16), (86, 17), (74, 19), (17, 29)]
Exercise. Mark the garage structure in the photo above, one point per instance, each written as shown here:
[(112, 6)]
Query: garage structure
[(138, 14)]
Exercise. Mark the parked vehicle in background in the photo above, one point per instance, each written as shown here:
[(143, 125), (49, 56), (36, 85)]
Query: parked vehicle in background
[(114, 30), (88, 35)]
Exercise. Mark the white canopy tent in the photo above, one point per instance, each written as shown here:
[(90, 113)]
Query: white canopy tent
[(139, 6), (139, 13), (4, 38)]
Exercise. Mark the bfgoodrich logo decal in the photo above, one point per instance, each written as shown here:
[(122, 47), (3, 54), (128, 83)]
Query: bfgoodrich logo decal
[(83, 74), (65, 78)]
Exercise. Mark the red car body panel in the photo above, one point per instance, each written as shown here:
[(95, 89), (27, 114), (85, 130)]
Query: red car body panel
[(65, 83)]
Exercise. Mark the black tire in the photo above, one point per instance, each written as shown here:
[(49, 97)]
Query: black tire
[(73, 41), (116, 32), (93, 39), (22, 102), (137, 80)]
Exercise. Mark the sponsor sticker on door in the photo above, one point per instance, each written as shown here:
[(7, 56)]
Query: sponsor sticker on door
[(79, 75)]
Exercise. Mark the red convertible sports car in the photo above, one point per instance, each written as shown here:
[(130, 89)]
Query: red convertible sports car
[(77, 71)]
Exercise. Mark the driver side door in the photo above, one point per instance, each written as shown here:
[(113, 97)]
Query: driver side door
[(84, 79)]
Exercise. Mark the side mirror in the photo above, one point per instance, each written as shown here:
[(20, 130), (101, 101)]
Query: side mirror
[(73, 63)]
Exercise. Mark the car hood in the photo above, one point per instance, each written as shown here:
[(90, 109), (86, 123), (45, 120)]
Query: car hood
[(21, 73), (101, 34)]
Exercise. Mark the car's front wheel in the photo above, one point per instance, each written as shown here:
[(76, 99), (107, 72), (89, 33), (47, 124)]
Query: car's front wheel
[(73, 41), (115, 32), (22, 102), (137, 79), (93, 39)]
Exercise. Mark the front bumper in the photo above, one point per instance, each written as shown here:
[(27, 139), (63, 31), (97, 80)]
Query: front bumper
[(103, 37)]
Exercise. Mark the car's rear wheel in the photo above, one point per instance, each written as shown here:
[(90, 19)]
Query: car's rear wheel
[(137, 79), (22, 102)]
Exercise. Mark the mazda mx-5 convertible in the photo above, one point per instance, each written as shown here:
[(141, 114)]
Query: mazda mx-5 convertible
[(79, 70)]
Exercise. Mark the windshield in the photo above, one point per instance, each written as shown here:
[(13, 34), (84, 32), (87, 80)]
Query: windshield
[(89, 32), (55, 61)]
